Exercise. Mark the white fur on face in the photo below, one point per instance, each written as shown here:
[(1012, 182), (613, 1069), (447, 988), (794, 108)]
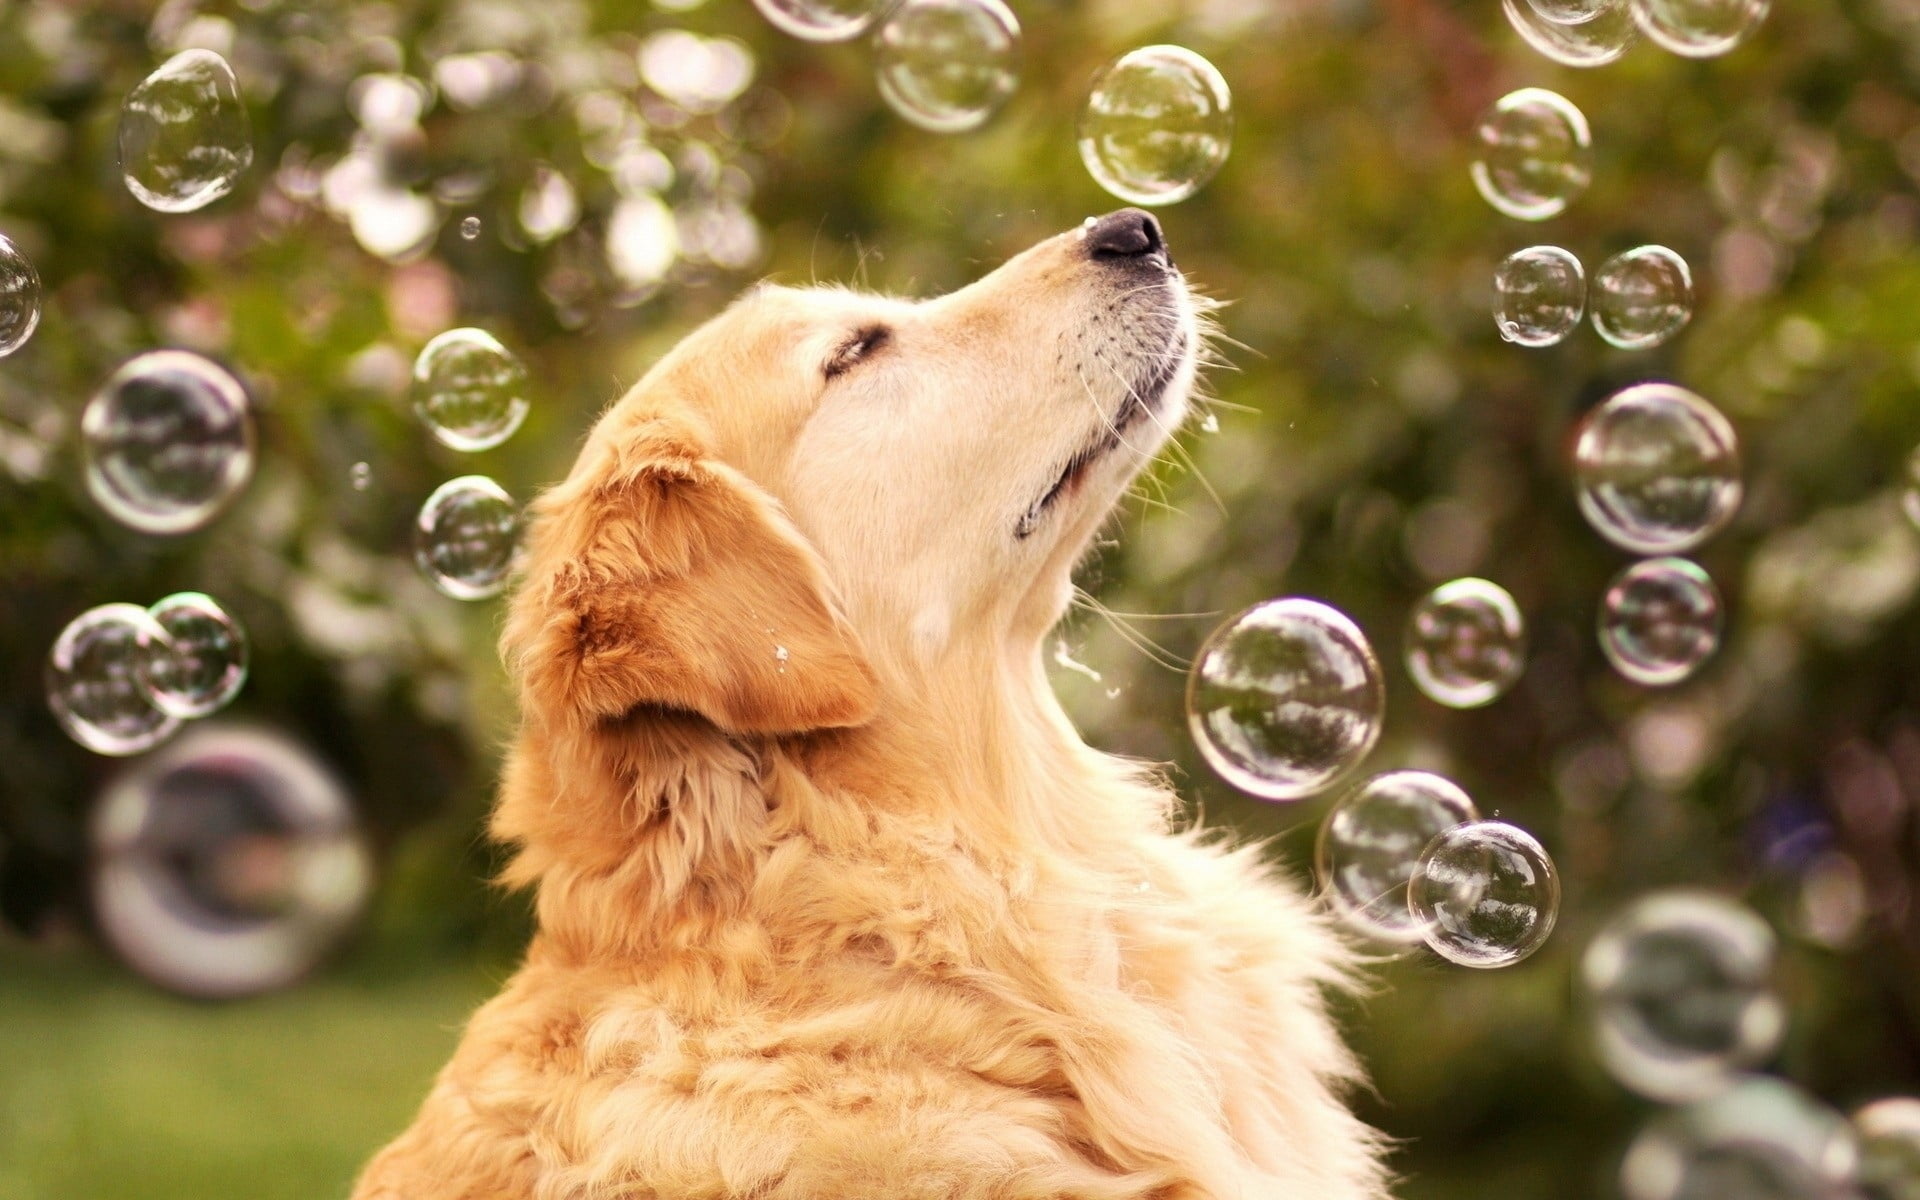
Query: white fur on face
[(953, 473)]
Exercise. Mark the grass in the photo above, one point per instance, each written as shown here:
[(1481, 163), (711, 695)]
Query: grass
[(110, 1089)]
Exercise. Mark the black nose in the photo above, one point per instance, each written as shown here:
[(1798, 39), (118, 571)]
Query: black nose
[(1128, 233)]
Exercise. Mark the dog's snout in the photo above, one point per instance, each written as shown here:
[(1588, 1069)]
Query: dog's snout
[(1126, 234)]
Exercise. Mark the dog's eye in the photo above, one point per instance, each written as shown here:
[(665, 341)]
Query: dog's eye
[(864, 342)]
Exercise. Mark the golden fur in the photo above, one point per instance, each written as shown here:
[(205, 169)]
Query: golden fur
[(832, 900)]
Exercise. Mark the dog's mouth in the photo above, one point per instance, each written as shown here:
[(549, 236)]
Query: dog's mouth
[(1143, 400)]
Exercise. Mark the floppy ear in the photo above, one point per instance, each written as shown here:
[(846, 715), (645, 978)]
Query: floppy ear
[(657, 576)]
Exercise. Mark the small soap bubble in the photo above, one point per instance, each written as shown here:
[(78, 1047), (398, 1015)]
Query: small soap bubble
[(1761, 1138), (19, 298), (1889, 1135), (1660, 621), (1285, 698), (94, 685), (1371, 840), (1699, 28), (169, 440), (199, 665), (1570, 12), (947, 65), (1680, 989), (823, 20), (1466, 643), (1535, 154), (184, 137), (1157, 125), (360, 476), (470, 228), (1658, 469), (465, 536), (469, 389), (1642, 297), (1539, 295), (1485, 893), (1600, 39)]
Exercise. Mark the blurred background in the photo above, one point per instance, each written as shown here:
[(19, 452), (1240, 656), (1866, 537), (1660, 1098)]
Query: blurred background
[(586, 180)]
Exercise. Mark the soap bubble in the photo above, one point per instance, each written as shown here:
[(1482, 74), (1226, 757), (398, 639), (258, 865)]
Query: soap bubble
[(94, 685), (1157, 125), (1285, 698), (1698, 28), (823, 20), (947, 65), (465, 536), (1658, 469), (469, 228), (169, 441), (1535, 154), (227, 864), (1466, 643), (1371, 840), (201, 664), (1539, 295), (19, 298), (1681, 995), (469, 389), (1594, 42), (184, 139), (1642, 297), (1570, 12), (1486, 894), (1889, 1135), (1761, 1138), (360, 475), (1660, 621)]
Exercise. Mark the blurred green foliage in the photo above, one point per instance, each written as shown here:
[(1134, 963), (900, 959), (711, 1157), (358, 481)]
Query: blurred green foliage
[(1374, 438)]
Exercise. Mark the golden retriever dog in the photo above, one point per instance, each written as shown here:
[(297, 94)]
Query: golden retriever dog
[(833, 902)]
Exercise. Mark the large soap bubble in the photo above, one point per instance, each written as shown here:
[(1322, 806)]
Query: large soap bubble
[(947, 65), (1699, 28), (202, 664), (19, 298), (1372, 839), (1484, 894), (1658, 469), (184, 138), (1660, 621), (1642, 297), (1533, 154), (1680, 987), (823, 20), (169, 441), (1466, 643), (1760, 1138), (1285, 698), (1539, 294), (1600, 39), (469, 389), (1157, 125), (94, 683), (465, 537)]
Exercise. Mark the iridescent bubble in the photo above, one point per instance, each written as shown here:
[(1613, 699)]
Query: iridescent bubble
[(1466, 643), (469, 228), (1371, 840), (200, 665), (1594, 42), (169, 441), (1642, 297), (824, 20), (1539, 295), (19, 298), (1157, 126), (1658, 469), (1889, 1134), (1535, 154), (1486, 894), (1680, 986), (947, 65), (1660, 621), (1570, 12), (469, 389), (184, 137), (1699, 28), (227, 864), (93, 681), (1285, 698), (465, 536), (1760, 1139)]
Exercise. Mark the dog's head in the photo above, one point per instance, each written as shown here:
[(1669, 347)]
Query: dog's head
[(820, 493)]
